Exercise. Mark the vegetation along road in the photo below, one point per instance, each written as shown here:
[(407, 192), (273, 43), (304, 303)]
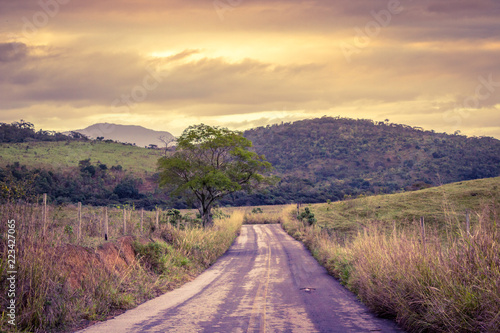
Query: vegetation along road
[(266, 282)]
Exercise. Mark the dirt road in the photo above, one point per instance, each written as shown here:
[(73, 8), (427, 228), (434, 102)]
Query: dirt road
[(266, 282)]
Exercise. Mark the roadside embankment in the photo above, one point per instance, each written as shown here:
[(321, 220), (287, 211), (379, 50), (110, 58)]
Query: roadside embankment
[(436, 279), (61, 287)]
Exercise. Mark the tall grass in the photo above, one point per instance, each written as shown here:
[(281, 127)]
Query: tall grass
[(265, 215), (436, 286), (49, 299), (206, 245)]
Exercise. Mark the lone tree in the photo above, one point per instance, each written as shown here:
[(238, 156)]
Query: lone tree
[(210, 163)]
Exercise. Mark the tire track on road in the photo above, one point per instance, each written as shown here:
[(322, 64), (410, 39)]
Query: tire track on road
[(257, 286)]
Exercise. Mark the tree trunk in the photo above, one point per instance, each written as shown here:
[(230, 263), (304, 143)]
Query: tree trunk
[(206, 216)]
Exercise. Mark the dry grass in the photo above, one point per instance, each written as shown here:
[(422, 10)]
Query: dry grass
[(449, 283), (46, 296), (263, 215)]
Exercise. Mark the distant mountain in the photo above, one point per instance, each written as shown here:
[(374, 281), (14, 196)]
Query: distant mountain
[(139, 135)]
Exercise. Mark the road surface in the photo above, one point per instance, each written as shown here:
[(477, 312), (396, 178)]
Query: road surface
[(266, 282)]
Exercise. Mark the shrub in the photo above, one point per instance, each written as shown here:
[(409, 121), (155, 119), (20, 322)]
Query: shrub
[(153, 255), (307, 216)]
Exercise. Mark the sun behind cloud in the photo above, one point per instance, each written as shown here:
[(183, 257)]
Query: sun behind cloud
[(168, 64)]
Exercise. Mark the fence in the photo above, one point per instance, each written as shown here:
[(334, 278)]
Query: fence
[(75, 223)]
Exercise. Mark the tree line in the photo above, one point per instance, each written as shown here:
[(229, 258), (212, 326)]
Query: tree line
[(315, 160), (90, 184)]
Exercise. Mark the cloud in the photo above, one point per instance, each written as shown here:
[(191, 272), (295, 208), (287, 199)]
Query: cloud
[(464, 7), (218, 86), (256, 62), (10, 52), (70, 76), (98, 79)]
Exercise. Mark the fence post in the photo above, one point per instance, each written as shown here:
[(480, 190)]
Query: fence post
[(467, 222), (33, 221), (157, 218), (422, 227), (106, 223), (79, 231), (44, 214), (124, 221), (142, 220)]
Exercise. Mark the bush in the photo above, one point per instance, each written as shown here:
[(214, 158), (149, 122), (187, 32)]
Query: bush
[(127, 189), (153, 255), (308, 216)]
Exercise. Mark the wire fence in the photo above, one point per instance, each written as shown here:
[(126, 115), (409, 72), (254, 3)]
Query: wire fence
[(87, 225)]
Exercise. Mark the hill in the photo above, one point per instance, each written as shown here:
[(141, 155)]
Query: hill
[(137, 135), (23, 131), (330, 158), (91, 172), (317, 160), (443, 207), (64, 155)]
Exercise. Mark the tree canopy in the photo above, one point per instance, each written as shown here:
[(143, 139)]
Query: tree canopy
[(210, 163), (23, 131)]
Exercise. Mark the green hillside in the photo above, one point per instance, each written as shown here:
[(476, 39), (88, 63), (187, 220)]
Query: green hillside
[(76, 169), (66, 154), (442, 207)]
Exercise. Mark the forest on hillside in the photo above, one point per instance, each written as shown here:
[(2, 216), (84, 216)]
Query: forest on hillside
[(317, 160), (331, 158)]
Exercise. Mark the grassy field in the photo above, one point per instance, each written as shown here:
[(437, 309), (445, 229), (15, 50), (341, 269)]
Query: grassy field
[(60, 155), (447, 281), (443, 208)]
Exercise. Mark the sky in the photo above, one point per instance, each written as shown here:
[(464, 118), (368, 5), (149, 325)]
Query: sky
[(168, 64)]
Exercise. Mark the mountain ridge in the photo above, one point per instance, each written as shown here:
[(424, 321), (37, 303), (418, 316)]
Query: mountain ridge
[(134, 134)]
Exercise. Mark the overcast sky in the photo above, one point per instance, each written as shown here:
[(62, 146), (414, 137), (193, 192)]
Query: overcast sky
[(167, 64)]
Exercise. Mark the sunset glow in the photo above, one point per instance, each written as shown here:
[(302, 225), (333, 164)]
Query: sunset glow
[(168, 64)]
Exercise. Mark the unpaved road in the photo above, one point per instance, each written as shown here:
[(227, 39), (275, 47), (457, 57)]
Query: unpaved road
[(266, 282)]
